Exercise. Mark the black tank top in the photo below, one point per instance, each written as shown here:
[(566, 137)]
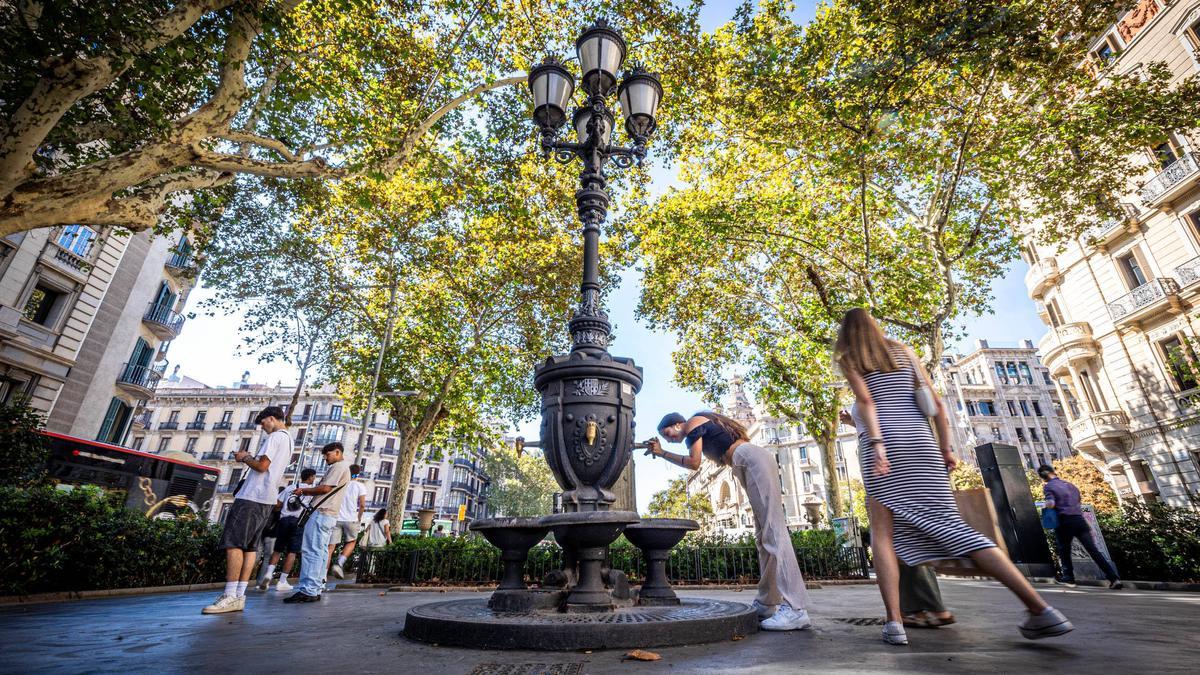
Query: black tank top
[(716, 440)]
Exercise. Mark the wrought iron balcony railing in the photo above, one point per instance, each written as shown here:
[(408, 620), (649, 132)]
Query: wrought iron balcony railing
[(1146, 295), (1171, 179)]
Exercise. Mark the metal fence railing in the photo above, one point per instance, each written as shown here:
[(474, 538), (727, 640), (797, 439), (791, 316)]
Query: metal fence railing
[(687, 565)]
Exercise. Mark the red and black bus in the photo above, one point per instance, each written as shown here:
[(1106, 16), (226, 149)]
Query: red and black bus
[(162, 484)]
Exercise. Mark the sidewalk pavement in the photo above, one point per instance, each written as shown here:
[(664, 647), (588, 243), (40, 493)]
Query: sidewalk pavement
[(359, 631)]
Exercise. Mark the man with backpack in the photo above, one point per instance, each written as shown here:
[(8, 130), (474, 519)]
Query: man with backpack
[(252, 507), (319, 521), (288, 535)]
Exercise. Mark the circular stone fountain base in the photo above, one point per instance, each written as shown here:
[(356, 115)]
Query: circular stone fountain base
[(469, 623)]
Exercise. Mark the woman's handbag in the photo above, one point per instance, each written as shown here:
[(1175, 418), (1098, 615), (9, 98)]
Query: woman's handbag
[(925, 399)]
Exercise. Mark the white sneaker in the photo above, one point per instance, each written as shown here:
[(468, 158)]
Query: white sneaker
[(786, 618), (893, 633), (764, 611), (282, 585), (263, 583), (337, 571), (1050, 623), (225, 603)]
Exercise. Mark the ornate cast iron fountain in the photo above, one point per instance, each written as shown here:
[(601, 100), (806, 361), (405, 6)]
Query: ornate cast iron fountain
[(587, 430)]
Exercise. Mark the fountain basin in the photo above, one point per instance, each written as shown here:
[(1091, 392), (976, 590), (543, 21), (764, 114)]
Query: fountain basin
[(514, 537), (656, 537), (585, 536)]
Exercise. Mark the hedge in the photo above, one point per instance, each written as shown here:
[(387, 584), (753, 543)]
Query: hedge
[(1154, 542), (56, 540)]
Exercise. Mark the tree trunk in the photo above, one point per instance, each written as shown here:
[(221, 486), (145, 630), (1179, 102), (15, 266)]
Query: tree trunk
[(827, 438), (300, 385)]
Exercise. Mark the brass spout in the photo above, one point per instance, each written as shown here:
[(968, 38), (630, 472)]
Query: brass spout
[(591, 432)]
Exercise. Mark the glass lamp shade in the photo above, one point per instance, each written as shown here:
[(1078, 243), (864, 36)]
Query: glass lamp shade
[(601, 52), (580, 121), (640, 95), (551, 86)]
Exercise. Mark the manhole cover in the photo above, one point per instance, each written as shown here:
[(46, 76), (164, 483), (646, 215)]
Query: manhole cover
[(872, 621), (528, 669)]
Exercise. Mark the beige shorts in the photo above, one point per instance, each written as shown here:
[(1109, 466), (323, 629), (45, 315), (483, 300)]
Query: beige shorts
[(347, 531)]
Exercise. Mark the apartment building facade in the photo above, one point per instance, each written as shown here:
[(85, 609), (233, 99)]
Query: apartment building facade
[(801, 470), (1122, 302), (86, 317), (211, 424), (1005, 395)]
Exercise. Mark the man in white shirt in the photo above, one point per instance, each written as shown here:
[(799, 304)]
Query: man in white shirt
[(288, 534), (349, 520), (251, 510)]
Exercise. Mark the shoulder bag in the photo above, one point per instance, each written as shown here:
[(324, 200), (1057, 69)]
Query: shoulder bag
[(925, 398), (310, 509)]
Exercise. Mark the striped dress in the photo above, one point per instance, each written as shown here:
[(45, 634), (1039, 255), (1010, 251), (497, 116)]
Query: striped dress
[(916, 490)]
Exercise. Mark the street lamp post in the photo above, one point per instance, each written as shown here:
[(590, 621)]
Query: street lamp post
[(588, 395)]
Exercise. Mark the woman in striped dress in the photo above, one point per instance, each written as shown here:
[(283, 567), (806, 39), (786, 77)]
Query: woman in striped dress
[(905, 471)]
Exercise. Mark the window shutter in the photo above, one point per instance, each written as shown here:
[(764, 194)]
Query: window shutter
[(110, 417)]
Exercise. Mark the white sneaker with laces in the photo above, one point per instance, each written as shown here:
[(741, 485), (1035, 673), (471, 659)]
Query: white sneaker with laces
[(764, 611), (337, 571), (282, 585), (786, 618), (1050, 623), (225, 603)]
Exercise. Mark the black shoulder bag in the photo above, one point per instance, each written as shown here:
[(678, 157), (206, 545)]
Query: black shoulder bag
[(308, 510)]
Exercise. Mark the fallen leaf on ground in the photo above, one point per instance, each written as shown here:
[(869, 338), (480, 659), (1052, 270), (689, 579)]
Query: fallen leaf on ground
[(642, 655), (738, 637)]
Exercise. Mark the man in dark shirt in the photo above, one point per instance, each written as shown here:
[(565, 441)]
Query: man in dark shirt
[(1063, 497)]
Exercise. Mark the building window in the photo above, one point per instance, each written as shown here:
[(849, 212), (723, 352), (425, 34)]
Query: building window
[(432, 473), (44, 304), (137, 442), (218, 445), (1037, 408), (1020, 434), (385, 469), (173, 416), (190, 446), (1000, 374), (201, 415), (163, 443), (1181, 362), (245, 445), (116, 422), (77, 239), (1012, 409), (1033, 435), (335, 412), (1132, 269), (1106, 51), (1025, 407), (807, 479), (803, 452), (971, 409), (1012, 373), (1046, 434), (427, 499), (987, 408), (227, 416), (1165, 153), (381, 495), (841, 472), (1046, 378), (1056, 318), (1025, 372)]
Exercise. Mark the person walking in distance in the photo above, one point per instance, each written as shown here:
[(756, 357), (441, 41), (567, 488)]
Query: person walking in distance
[(327, 502), (906, 474), (1063, 497), (252, 506), (379, 531), (288, 535), (349, 520), (782, 597)]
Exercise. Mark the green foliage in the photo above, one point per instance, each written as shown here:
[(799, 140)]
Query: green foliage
[(674, 502), (1154, 542), (521, 485), (84, 540), (23, 451)]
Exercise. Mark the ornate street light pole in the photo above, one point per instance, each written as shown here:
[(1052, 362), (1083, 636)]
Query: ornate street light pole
[(588, 395)]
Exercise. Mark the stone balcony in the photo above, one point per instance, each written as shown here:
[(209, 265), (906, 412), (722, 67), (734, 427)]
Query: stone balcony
[(1188, 274), (1152, 297), (1069, 343), (1172, 181), (1110, 231), (1041, 276), (165, 323), (138, 381), (1093, 428)]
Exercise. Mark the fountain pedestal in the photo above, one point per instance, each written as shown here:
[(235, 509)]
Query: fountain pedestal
[(656, 537)]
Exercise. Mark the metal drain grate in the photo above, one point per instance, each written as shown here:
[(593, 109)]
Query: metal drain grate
[(528, 669), (872, 621)]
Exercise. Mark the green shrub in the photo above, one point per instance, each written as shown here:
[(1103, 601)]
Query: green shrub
[(86, 540), (1154, 542)]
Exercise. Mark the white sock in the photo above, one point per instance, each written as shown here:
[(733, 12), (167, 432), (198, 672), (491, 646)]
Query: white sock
[(241, 588), (283, 577), (270, 571), (231, 588), (341, 560)]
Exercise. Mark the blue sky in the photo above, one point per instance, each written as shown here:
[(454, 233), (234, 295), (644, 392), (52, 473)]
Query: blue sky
[(207, 348)]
